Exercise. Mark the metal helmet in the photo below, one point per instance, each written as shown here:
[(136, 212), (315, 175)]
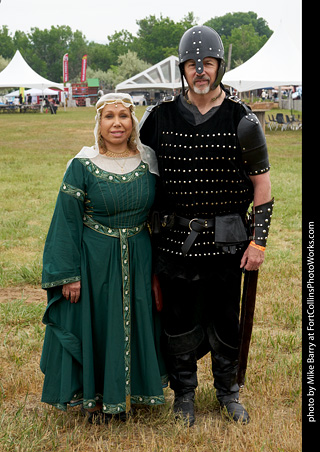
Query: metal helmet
[(198, 43)]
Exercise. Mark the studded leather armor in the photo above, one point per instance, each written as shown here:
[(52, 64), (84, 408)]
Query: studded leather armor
[(202, 170)]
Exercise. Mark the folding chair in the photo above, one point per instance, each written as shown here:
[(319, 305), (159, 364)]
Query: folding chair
[(273, 122), (296, 122), (280, 120)]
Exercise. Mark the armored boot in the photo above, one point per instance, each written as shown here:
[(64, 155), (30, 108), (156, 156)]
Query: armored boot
[(182, 369), (184, 384), (227, 389)]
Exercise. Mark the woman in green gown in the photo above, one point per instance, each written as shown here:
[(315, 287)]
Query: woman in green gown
[(101, 346)]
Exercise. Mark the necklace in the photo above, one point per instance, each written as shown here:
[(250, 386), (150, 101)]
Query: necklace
[(212, 100), (121, 166), (217, 97), (118, 155), (120, 159)]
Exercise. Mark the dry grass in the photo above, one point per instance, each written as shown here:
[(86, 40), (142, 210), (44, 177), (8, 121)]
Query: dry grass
[(33, 157)]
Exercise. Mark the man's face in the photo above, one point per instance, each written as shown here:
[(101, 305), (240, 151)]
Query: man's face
[(201, 83)]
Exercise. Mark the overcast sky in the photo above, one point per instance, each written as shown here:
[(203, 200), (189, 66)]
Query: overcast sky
[(97, 19)]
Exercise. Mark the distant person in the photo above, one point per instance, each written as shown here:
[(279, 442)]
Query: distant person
[(45, 103), (52, 105), (101, 344)]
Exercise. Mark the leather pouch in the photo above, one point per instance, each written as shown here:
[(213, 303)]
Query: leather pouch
[(230, 230)]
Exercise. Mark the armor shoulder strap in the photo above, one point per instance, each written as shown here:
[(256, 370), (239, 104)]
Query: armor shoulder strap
[(152, 108), (146, 114), (167, 99), (237, 100)]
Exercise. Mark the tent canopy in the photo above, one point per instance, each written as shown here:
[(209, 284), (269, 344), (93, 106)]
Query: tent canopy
[(161, 76), (19, 74), (34, 92), (277, 63)]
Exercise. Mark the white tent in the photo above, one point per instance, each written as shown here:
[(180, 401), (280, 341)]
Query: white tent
[(19, 74), (162, 76), (277, 63), (34, 92)]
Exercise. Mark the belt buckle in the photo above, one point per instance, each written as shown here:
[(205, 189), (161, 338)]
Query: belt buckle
[(190, 222)]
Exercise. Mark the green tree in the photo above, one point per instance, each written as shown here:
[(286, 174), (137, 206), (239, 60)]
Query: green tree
[(99, 56), (245, 31), (77, 49), (44, 49), (245, 43), (21, 42), (159, 38), (7, 49), (3, 63), (119, 44), (48, 48), (224, 25), (128, 66)]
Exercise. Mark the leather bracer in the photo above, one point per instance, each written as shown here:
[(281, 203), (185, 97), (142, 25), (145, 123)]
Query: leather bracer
[(262, 218)]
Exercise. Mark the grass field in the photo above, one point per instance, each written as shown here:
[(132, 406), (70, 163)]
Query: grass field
[(34, 150)]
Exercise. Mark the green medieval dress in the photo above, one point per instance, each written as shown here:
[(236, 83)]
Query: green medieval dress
[(105, 347)]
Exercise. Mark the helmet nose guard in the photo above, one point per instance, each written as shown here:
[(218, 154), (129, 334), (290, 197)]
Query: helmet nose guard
[(198, 43)]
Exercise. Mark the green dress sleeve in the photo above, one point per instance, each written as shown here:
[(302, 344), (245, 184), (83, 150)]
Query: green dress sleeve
[(62, 251)]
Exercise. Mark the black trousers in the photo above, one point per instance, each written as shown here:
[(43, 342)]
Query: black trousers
[(212, 302)]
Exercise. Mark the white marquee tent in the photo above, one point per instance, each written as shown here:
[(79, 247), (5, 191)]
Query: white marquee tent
[(34, 92), (162, 76), (277, 63), (19, 74)]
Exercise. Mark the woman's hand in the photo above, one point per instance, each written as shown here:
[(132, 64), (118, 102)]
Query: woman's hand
[(71, 291)]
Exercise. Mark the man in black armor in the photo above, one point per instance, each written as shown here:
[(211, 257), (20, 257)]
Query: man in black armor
[(213, 164)]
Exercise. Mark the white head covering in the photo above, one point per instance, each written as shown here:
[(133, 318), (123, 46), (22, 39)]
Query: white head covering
[(147, 154)]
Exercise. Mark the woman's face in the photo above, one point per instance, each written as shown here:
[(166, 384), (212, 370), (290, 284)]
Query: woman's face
[(115, 125)]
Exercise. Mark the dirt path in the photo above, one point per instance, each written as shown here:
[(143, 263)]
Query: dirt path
[(28, 294)]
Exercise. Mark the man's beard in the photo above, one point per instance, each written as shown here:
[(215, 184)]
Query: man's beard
[(201, 90)]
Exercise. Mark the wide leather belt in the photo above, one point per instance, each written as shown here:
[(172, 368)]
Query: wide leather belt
[(196, 225), (229, 230)]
